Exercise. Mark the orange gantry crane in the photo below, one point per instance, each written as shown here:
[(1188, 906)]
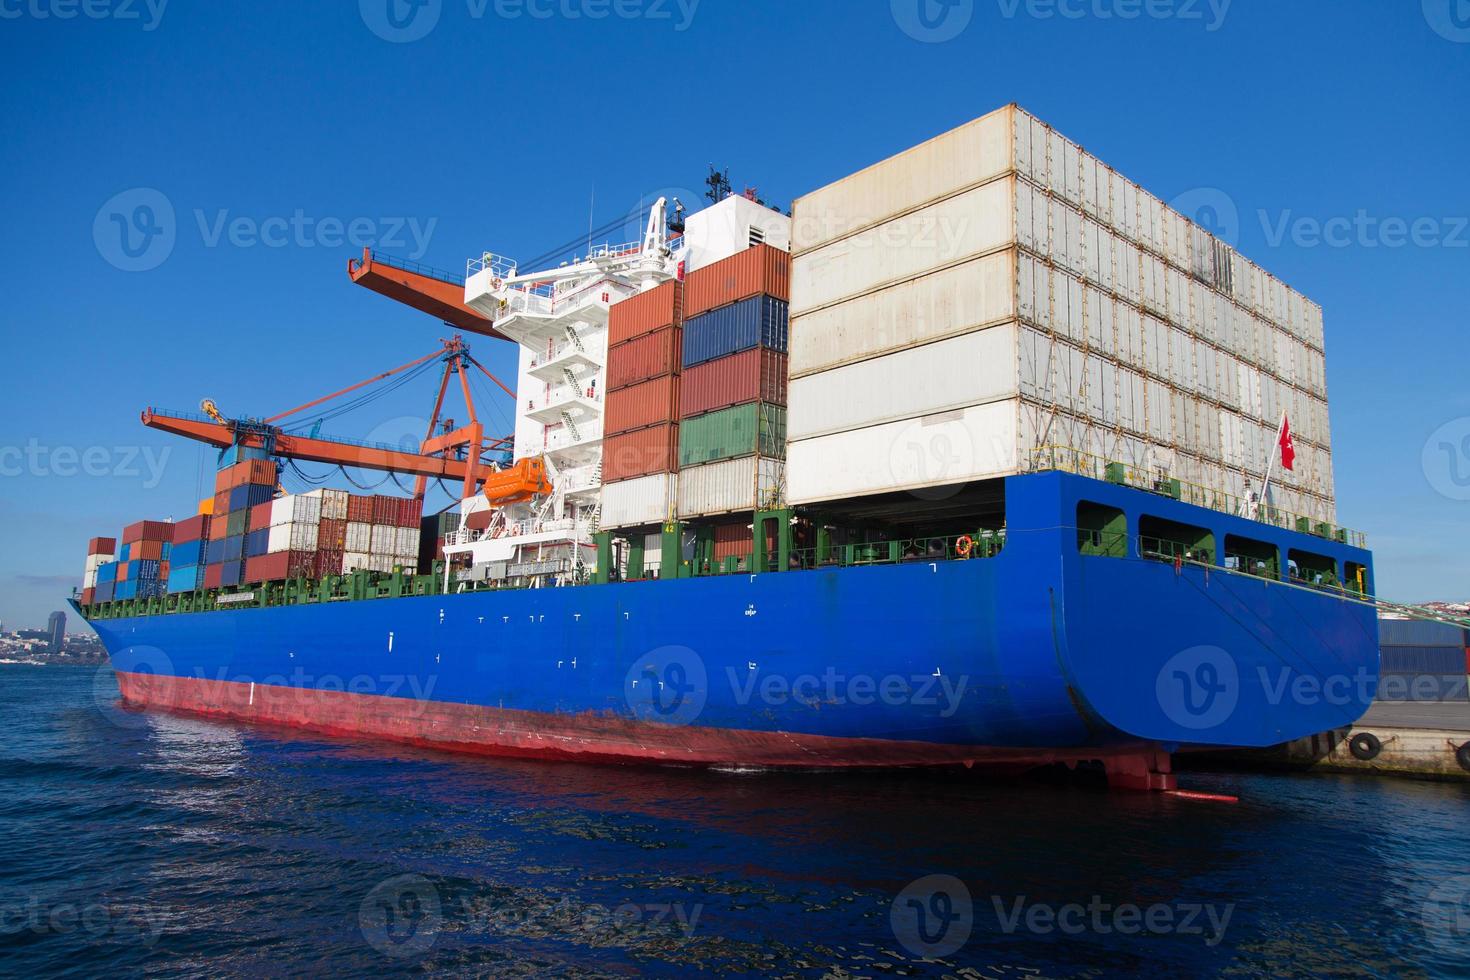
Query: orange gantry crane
[(439, 294), (447, 451)]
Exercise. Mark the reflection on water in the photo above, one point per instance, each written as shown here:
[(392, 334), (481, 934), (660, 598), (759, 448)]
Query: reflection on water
[(199, 847)]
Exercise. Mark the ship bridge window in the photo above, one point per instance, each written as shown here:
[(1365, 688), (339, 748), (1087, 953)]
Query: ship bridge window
[(1170, 540), (1312, 569), (1252, 557), (1101, 530)]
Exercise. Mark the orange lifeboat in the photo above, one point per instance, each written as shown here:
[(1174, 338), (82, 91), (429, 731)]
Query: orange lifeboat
[(521, 481)]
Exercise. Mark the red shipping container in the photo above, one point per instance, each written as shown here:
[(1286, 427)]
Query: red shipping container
[(410, 512), (148, 531), (279, 566), (763, 269), (644, 313), (650, 403), (88, 596), (331, 535), (327, 562), (734, 541), (387, 510), (163, 567), (102, 546), (195, 528), (222, 504), (478, 520), (145, 551), (214, 575), (260, 516), (753, 375), (643, 358), (219, 527), (642, 452), (122, 570), (359, 509)]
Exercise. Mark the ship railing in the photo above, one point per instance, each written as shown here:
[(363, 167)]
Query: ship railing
[(981, 544), (500, 266), (1068, 460), (1180, 553), (408, 265)]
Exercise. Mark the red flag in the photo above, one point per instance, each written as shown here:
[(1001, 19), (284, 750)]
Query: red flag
[(1288, 448)]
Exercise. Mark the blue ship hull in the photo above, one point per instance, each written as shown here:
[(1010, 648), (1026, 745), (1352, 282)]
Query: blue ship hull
[(1039, 654)]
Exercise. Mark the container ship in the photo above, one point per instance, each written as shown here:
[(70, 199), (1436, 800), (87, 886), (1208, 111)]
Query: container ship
[(982, 456)]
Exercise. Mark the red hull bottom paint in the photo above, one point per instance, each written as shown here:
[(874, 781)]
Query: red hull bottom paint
[(591, 737)]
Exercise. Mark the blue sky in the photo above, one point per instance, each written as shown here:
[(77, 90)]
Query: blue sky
[(276, 131)]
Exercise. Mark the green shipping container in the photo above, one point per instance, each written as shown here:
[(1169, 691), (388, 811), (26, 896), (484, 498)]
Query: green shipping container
[(237, 523), (733, 432)]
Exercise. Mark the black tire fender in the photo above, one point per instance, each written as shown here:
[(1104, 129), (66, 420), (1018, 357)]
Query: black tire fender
[(1462, 756), (1365, 746)]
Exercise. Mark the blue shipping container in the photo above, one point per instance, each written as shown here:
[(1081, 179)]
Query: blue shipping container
[(1422, 660), (187, 553), (184, 578), (214, 552), (143, 570), (166, 551), (230, 573), (126, 589), (1420, 633), (235, 548), (257, 542), (243, 498), (760, 321), (106, 592), (107, 572), (127, 550)]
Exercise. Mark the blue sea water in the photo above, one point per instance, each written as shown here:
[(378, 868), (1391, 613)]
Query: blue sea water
[(147, 843)]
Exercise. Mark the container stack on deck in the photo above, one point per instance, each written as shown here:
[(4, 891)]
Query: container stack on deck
[(186, 567), (100, 552), (732, 398), (640, 447), (143, 567), (239, 489)]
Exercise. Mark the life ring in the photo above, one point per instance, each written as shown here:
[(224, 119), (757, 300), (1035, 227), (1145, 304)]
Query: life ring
[(964, 546), (1462, 756), (1365, 746)]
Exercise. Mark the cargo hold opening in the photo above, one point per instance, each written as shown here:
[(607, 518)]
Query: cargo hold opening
[(938, 511)]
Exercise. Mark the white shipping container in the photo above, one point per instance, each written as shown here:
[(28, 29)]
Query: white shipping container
[(642, 501), (384, 539), (359, 537), (729, 485), (950, 162), (950, 447), (332, 504), (296, 509), (356, 561), (292, 537), (970, 369), (956, 300), (942, 234)]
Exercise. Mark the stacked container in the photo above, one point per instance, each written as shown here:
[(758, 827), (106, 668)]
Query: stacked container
[(187, 561), (331, 533), (240, 490), (641, 429), (143, 569), (100, 551), (381, 533), (732, 396)]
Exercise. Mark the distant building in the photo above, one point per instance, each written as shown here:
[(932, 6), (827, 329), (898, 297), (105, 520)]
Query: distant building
[(56, 630)]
